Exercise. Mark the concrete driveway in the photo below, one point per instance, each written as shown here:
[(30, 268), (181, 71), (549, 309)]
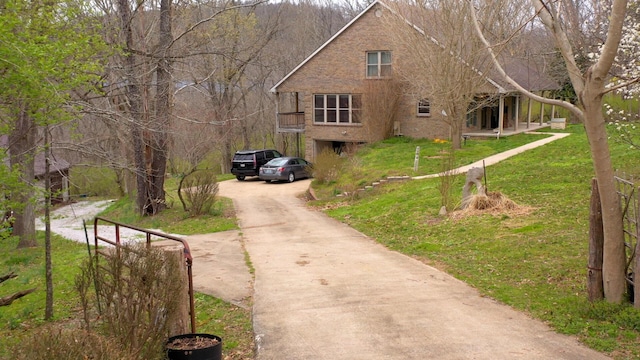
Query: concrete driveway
[(323, 290)]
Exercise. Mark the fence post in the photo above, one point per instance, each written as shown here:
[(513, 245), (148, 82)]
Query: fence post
[(636, 281), (595, 287), (179, 324)]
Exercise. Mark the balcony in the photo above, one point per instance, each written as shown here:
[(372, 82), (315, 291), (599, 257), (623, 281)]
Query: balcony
[(290, 122)]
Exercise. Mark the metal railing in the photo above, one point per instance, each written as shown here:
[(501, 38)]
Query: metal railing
[(117, 243), (628, 195)]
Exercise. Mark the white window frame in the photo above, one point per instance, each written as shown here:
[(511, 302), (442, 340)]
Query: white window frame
[(378, 65), (423, 108), (352, 111)]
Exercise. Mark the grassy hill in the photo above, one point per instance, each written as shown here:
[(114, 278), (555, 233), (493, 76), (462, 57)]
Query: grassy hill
[(534, 260)]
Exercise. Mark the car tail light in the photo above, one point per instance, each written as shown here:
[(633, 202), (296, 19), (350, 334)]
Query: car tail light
[(281, 169)]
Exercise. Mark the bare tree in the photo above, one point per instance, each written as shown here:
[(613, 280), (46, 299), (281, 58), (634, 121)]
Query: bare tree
[(380, 106), (451, 64), (590, 87)]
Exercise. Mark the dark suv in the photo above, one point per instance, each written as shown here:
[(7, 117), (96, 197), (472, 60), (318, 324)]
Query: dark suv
[(248, 162)]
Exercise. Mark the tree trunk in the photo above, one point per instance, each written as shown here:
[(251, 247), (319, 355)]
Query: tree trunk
[(48, 312), (596, 240), (22, 149), (155, 201), (614, 259), (134, 98)]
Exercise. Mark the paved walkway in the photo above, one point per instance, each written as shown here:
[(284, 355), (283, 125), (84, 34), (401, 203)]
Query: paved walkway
[(503, 155)]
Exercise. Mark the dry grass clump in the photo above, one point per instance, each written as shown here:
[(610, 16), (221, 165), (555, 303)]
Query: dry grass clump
[(493, 203)]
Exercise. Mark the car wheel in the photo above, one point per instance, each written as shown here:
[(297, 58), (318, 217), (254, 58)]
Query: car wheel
[(292, 177), (240, 177), (267, 181)]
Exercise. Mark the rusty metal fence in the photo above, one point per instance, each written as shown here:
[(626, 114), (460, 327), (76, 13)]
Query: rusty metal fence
[(628, 194), (117, 242)]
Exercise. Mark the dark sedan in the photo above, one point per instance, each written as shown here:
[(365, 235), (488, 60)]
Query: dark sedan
[(285, 168)]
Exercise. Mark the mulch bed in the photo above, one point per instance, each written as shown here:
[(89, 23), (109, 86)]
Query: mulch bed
[(191, 343)]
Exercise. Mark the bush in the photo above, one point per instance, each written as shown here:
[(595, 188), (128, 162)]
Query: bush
[(140, 297), (57, 342), (327, 166), (201, 188)]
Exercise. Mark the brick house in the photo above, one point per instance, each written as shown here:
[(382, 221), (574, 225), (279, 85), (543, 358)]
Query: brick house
[(322, 97)]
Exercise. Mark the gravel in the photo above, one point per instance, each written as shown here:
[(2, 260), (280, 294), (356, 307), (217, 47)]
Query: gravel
[(67, 222)]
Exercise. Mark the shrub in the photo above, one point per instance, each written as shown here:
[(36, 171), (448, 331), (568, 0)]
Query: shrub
[(327, 166), (57, 342), (201, 188), (140, 297)]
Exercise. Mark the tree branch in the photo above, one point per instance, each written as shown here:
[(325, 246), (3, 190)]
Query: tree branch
[(7, 300), (565, 104), (10, 275)]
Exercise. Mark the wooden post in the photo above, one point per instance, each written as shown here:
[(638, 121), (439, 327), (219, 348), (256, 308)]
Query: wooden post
[(595, 287), (180, 323), (636, 281)]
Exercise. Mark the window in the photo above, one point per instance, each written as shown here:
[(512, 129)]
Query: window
[(336, 108), (378, 64), (424, 107)]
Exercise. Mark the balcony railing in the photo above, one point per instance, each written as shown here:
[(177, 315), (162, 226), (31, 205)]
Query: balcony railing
[(291, 122)]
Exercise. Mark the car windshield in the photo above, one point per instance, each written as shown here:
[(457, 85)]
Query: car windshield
[(277, 162)]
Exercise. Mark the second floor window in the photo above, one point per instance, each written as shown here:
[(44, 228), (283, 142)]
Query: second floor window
[(424, 107), (336, 108), (378, 64)]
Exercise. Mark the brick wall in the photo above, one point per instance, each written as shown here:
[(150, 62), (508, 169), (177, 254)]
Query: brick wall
[(340, 68)]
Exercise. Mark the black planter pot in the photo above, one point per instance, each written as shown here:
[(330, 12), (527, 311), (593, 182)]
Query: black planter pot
[(213, 352)]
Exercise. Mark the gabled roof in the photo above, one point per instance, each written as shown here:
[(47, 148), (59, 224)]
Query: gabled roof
[(518, 70), (344, 28), (57, 165)]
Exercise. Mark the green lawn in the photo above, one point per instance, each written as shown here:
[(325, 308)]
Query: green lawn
[(395, 157), (25, 315), (534, 262)]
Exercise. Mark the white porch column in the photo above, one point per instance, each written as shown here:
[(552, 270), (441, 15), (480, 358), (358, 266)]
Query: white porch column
[(553, 112), (501, 115), (517, 112), (541, 112), (529, 112)]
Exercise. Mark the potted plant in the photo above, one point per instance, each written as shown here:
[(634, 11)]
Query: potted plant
[(194, 347)]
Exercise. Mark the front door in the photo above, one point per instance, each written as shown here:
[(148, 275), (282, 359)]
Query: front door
[(490, 118)]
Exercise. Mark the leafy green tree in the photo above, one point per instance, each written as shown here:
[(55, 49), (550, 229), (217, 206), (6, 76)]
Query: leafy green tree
[(48, 49)]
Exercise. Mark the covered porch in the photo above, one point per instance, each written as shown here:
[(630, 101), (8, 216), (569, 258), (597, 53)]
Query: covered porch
[(505, 116), (522, 128)]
